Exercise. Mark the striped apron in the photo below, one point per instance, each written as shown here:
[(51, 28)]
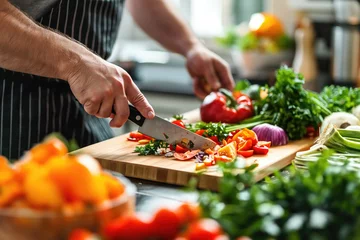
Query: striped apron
[(31, 107)]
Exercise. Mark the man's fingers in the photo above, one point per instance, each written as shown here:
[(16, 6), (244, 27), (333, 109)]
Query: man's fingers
[(106, 107), (223, 70), (138, 99), (92, 105), (122, 111), (212, 78), (200, 88)]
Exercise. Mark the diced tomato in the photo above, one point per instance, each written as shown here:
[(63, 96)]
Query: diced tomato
[(180, 123), (205, 228), (215, 139), (247, 153), (262, 150), (200, 132), (165, 224), (264, 143), (178, 149)]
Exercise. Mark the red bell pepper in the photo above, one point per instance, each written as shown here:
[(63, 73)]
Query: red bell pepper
[(222, 107), (262, 150)]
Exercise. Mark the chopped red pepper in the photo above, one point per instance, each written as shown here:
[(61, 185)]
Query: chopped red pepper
[(264, 143), (262, 150), (243, 144), (178, 149), (222, 107), (247, 153)]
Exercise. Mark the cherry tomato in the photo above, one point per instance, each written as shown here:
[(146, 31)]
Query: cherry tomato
[(178, 149), (203, 229), (180, 123), (247, 153), (264, 143), (215, 139), (131, 227), (165, 224), (80, 234), (262, 150)]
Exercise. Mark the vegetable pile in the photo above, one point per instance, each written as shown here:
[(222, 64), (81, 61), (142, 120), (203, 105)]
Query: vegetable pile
[(289, 106), (47, 178), (183, 222), (322, 203)]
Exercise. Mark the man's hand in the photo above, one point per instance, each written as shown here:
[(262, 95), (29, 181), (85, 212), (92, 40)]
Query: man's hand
[(208, 71), (100, 85)]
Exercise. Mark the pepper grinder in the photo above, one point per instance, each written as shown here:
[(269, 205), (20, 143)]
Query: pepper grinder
[(305, 60)]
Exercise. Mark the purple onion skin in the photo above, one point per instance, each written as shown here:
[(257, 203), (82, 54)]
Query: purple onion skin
[(268, 132)]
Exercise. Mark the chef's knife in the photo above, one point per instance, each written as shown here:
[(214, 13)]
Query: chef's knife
[(161, 129)]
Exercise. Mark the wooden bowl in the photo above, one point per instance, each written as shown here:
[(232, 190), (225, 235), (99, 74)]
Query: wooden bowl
[(21, 224)]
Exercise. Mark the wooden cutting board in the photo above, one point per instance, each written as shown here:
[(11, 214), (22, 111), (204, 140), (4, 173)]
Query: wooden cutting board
[(117, 155)]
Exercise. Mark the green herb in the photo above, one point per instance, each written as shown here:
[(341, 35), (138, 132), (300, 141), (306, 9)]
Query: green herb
[(151, 148), (321, 203), (248, 42), (242, 85), (178, 117), (289, 106), (340, 99), (212, 129), (229, 39)]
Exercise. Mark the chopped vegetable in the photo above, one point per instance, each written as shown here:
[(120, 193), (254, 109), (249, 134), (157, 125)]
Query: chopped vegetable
[(228, 151), (187, 155), (222, 107), (288, 105), (152, 148), (210, 129), (274, 134), (262, 150), (246, 153)]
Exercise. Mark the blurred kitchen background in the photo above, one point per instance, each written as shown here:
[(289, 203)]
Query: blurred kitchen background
[(319, 38)]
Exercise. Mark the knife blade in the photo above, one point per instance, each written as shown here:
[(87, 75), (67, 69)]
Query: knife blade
[(162, 129)]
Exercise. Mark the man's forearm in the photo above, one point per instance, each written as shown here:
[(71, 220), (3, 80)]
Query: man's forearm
[(29, 48), (159, 20)]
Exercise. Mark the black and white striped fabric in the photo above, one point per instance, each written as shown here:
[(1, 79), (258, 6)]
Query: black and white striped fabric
[(32, 107)]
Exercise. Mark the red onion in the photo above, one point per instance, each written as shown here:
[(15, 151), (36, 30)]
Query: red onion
[(268, 132)]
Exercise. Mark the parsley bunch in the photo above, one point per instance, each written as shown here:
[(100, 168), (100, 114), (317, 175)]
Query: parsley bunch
[(322, 203), (340, 99), (291, 107), (212, 129)]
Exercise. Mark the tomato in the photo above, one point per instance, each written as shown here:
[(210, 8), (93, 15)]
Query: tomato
[(200, 132), (165, 224), (188, 212), (262, 150), (247, 153), (178, 149), (243, 144), (80, 234), (186, 156), (264, 143), (130, 227), (203, 229), (180, 123), (215, 139)]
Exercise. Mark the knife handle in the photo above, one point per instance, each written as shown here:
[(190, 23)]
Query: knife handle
[(135, 116)]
